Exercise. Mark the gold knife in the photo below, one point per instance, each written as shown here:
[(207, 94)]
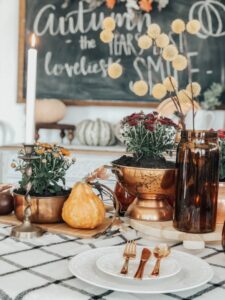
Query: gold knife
[(145, 255)]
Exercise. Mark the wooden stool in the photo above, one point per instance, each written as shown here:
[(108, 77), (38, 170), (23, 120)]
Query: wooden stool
[(70, 129)]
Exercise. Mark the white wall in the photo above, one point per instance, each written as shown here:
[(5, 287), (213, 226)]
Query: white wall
[(12, 116)]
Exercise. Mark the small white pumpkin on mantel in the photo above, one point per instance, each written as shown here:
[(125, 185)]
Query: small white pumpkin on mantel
[(49, 111), (95, 133)]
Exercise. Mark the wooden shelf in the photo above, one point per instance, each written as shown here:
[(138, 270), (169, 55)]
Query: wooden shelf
[(81, 149)]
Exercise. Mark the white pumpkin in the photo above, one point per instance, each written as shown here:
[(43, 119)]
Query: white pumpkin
[(95, 133), (49, 111), (118, 132)]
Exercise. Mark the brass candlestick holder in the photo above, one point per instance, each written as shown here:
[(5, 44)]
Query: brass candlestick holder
[(27, 229)]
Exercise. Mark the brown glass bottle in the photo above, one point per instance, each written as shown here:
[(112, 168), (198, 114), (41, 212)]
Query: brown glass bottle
[(223, 237), (197, 182)]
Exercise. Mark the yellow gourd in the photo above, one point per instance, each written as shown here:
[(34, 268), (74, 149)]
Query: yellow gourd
[(83, 209)]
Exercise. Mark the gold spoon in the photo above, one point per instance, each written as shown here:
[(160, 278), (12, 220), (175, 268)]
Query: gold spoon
[(159, 253)]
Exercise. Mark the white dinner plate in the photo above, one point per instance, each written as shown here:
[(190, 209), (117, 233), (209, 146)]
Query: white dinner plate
[(111, 264), (194, 273)]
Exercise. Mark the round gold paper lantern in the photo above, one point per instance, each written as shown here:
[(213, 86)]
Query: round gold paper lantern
[(140, 88), (106, 36), (115, 70), (109, 23)]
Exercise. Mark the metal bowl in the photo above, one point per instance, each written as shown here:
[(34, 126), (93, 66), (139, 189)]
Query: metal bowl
[(154, 189), (43, 209)]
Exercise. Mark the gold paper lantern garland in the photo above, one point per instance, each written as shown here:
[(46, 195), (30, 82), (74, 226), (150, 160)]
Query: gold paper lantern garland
[(115, 70), (106, 35), (178, 26), (169, 53)]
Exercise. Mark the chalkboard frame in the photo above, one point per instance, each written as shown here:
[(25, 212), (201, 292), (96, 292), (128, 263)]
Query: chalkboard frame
[(69, 102)]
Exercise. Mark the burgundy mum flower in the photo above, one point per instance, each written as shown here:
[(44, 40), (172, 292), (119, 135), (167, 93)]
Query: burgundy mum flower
[(134, 117), (167, 122), (149, 122), (221, 134), (133, 122), (149, 127)]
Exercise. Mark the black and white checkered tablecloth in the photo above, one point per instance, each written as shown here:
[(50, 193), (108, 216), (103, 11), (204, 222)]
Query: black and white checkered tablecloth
[(38, 269)]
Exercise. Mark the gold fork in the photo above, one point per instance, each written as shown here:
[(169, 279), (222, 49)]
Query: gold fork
[(129, 253)]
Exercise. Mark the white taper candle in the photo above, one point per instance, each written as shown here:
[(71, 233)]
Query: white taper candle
[(31, 92)]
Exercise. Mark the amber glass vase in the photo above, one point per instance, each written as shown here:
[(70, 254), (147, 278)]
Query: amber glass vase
[(223, 237), (197, 182)]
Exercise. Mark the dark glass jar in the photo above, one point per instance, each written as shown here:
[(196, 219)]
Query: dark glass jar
[(223, 237), (197, 182)]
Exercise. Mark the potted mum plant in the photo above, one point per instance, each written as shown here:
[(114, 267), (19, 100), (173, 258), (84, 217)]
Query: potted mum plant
[(145, 173), (48, 191)]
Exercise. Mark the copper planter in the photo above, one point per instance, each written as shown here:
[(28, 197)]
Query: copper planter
[(43, 209), (154, 189)]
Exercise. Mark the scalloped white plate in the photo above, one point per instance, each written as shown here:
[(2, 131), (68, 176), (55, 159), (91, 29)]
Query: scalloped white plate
[(194, 273)]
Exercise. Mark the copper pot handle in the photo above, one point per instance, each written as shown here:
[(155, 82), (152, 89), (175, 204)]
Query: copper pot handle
[(114, 169), (115, 217)]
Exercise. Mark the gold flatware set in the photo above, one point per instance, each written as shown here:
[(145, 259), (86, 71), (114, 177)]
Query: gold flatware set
[(159, 253)]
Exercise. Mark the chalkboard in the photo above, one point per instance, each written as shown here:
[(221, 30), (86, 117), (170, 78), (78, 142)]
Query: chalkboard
[(72, 61)]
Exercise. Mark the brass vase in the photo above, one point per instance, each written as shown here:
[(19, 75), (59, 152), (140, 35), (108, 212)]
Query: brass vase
[(43, 209), (154, 190)]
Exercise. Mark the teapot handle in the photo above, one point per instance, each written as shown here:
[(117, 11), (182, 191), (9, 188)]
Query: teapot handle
[(114, 170), (103, 189), (91, 179)]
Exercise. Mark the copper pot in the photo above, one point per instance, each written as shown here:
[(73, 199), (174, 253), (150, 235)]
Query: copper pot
[(220, 218), (43, 209), (6, 200), (154, 189)]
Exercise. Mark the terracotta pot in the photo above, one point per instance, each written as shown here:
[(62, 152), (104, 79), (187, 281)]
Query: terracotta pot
[(154, 189), (220, 218), (49, 111), (43, 209)]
